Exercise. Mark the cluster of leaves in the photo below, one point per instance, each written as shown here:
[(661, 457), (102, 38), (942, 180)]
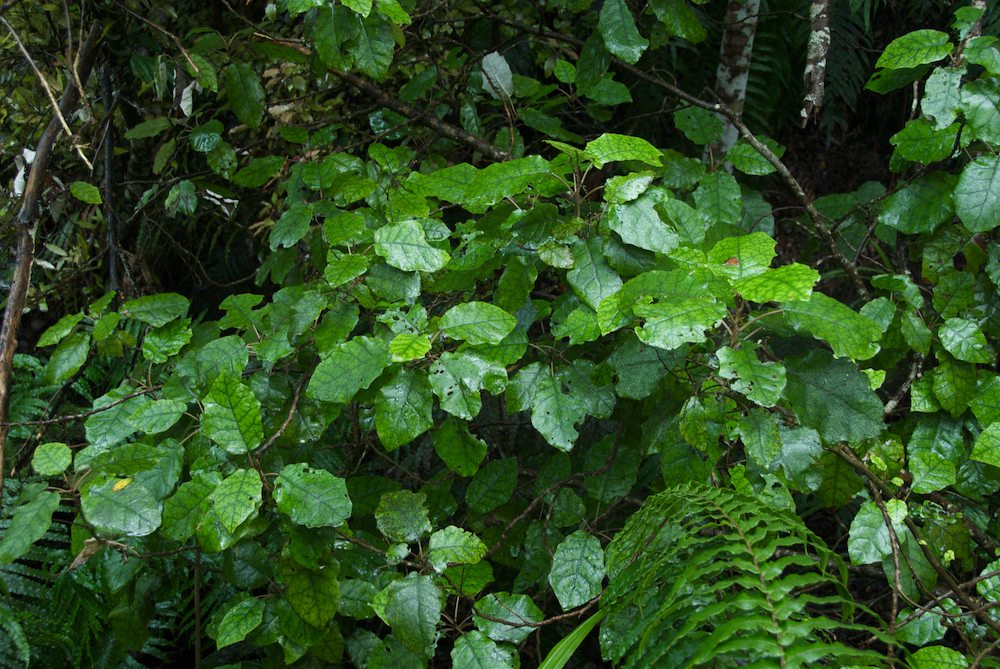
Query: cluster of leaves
[(415, 439)]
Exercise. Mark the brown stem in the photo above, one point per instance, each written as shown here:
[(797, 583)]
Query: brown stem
[(26, 221)]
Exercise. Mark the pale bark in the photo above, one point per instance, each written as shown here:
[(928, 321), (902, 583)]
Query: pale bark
[(731, 76), (814, 76)]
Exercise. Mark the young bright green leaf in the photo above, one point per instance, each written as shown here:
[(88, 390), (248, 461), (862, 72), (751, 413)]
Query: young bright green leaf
[(610, 148), (849, 333), (404, 246), (244, 93), (670, 324), (762, 382), (782, 284), (120, 506), (314, 594), (461, 452), (617, 28), (232, 416), (29, 523), (412, 608), (147, 129), (167, 340), (453, 545), (477, 323), (241, 619), (987, 446), (915, 48), (51, 459), (362, 7), (343, 268), (475, 649), (86, 192), (577, 570), (937, 657), (832, 396), (156, 310), (718, 198), (348, 368), (157, 416), (403, 408), (977, 194), (741, 257), (407, 346), (965, 341), (402, 516), (515, 610), (627, 187), (237, 498), (492, 486), (591, 277), (312, 497)]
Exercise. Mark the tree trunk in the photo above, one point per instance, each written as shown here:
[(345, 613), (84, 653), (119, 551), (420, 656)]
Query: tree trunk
[(740, 24)]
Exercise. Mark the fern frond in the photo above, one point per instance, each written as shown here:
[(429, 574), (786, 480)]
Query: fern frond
[(703, 576)]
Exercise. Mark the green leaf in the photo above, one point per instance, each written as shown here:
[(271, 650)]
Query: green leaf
[(457, 378), (120, 506), (29, 523), (561, 653), (458, 448), (514, 610), (453, 545), (413, 607), (184, 509), (112, 425), (167, 340), (206, 137), (933, 452), (476, 189), (403, 408), (244, 93), (849, 333), (51, 459), (238, 621), (833, 397), (921, 206), (577, 570), (987, 446), (610, 148), (314, 594), (977, 194), (698, 125), (477, 323), (158, 416), (639, 224), (492, 486), (259, 171), (291, 227), (362, 7), (55, 333), (312, 497), (402, 516), (980, 109), (67, 359), (762, 382), (591, 277), (916, 48), (719, 198), (237, 498), (334, 27), (372, 47), (156, 310), (954, 384), (232, 416), (869, 540), (555, 412), (672, 323), (86, 192), (404, 246), (146, 129), (965, 341), (407, 346), (343, 268), (759, 431), (498, 80), (741, 257), (782, 284), (348, 368), (617, 28), (919, 142), (942, 96), (937, 657), (227, 355), (477, 651), (748, 160)]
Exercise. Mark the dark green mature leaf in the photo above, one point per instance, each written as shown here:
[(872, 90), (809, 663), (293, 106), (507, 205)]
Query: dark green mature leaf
[(477, 651), (453, 545), (403, 408), (232, 416), (67, 359), (404, 246), (314, 594), (372, 46), (402, 516), (456, 379), (348, 368), (591, 277), (848, 332), (183, 511), (638, 224), (761, 382), (239, 620), (577, 570), (477, 323), (312, 497), (244, 93), (458, 448), (699, 125), (120, 506), (833, 397), (30, 521), (492, 486), (413, 607), (934, 450), (237, 498), (922, 205), (965, 341), (954, 384), (869, 539), (919, 142), (621, 37), (516, 612), (609, 148), (977, 194)]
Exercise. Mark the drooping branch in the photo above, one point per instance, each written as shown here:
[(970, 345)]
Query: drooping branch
[(25, 226), (814, 75)]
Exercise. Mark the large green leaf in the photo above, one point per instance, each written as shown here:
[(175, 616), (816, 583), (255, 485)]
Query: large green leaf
[(456, 379), (120, 506), (577, 569), (403, 408), (617, 28), (244, 93), (183, 511), (849, 333), (312, 497), (372, 46), (30, 521), (965, 341), (453, 545), (987, 446), (237, 498), (232, 416), (492, 486), (638, 224), (314, 594), (238, 621), (921, 206), (402, 516), (610, 148), (934, 452), (554, 411), (915, 48), (67, 358), (404, 246), (742, 257), (782, 284), (833, 397), (513, 611), (51, 459), (761, 382), (591, 277), (458, 448), (977, 194), (412, 608), (475, 650), (348, 368), (670, 324), (869, 539), (477, 323)]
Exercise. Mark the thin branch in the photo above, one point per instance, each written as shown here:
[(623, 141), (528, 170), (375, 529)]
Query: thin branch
[(284, 425), (155, 26), (80, 416)]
